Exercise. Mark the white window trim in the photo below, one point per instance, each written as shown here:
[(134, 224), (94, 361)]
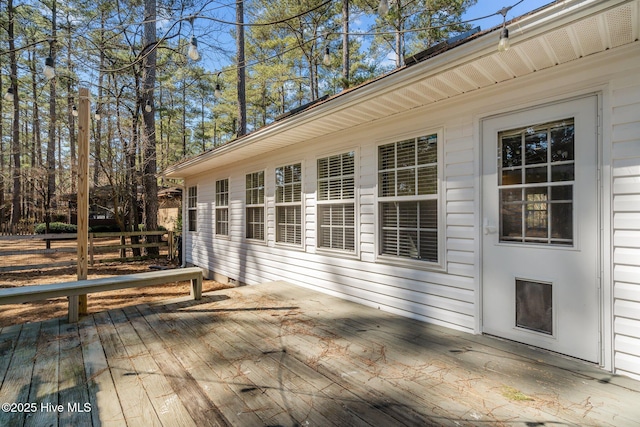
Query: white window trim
[(301, 203), (441, 200), (263, 205), (355, 253), (226, 207), (189, 209)]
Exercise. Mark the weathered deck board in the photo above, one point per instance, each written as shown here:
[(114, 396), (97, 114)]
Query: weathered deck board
[(156, 382), (195, 401), (277, 354), (203, 359), (72, 390), (17, 381), (103, 397), (44, 381), (136, 405)]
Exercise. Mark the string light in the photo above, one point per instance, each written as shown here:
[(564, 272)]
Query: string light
[(193, 44), (504, 44), (9, 95), (218, 91), (148, 106), (74, 111), (49, 70), (326, 60), (193, 49)]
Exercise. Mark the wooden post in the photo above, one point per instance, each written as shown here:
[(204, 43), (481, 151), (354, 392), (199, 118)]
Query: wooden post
[(91, 249), (84, 129)]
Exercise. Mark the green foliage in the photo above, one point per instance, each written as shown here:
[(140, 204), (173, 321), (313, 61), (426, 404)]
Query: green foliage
[(101, 45), (56, 228)]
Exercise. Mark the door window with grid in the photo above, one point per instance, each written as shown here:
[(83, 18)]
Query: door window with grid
[(408, 198), (192, 208), (289, 204), (336, 202), (255, 205), (222, 207), (535, 181)]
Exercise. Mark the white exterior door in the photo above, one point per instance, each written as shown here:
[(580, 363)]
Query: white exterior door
[(541, 227)]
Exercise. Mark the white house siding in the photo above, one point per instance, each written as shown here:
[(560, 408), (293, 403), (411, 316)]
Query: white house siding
[(625, 125), (444, 296)]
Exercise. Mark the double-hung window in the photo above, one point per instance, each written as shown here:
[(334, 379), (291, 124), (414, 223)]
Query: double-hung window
[(255, 205), (222, 207), (336, 202), (289, 204), (408, 198), (192, 208)]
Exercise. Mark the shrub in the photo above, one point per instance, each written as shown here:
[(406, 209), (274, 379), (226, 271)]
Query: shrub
[(104, 228), (56, 228)]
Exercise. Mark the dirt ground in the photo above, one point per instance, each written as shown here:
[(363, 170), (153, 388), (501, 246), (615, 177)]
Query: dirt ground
[(49, 309)]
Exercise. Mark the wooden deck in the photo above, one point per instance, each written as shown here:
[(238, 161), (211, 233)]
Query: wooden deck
[(281, 355)]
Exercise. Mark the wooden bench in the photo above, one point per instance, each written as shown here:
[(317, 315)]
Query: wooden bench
[(72, 290)]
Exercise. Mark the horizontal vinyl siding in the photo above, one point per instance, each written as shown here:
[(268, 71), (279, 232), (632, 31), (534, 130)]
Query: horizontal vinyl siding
[(459, 200), (442, 297), (625, 121)]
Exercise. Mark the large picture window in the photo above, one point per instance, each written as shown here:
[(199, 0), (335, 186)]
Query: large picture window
[(408, 198), (192, 208), (336, 202), (289, 204), (222, 207), (255, 205)]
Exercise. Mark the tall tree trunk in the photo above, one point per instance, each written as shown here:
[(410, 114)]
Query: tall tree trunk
[(149, 142), (184, 118), (16, 211), (345, 44), (132, 181), (97, 166), (36, 147), (1, 162), (242, 102), (51, 145), (70, 117)]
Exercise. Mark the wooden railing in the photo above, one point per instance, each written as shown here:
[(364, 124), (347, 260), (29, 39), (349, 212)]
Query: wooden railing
[(98, 245)]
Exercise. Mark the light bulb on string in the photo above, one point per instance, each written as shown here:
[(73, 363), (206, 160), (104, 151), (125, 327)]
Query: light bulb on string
[(326, 60), (504, 44), (49, 71), (9, 94), (193, 49)]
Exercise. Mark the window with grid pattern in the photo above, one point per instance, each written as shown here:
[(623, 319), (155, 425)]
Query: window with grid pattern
[(336, 202), (536, 176), (255, 205), (222, 207), (408, 198), (289, 204), (192, 208)]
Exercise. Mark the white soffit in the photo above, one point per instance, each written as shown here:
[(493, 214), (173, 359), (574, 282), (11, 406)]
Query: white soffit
[(556, 35)]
